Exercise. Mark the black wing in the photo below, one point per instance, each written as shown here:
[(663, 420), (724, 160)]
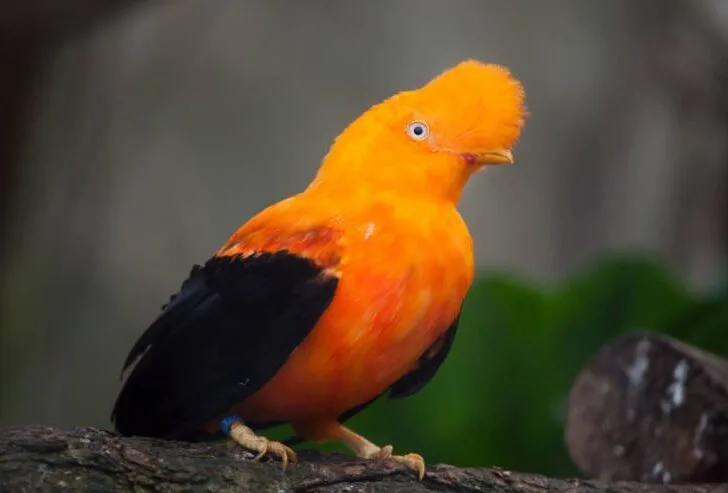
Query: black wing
[(228, 331), (427, 365)]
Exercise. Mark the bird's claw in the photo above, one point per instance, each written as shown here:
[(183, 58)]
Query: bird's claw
[(414, 462), (269, 447), (246, 438)]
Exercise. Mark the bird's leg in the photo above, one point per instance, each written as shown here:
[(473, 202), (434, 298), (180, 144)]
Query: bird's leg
[(332, 430), (233, 427)]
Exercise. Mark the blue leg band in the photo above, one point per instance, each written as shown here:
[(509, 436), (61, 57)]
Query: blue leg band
[(227, 423)]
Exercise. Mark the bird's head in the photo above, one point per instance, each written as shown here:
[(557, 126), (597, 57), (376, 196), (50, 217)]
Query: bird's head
[(432, 139)]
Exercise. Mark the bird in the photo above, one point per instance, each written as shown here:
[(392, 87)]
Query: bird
[(331, 298)]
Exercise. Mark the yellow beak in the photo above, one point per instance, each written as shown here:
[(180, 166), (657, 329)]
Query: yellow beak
[(497, 156)]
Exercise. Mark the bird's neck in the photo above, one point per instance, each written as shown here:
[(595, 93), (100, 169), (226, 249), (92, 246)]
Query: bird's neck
[(342, 176), (414, 192)]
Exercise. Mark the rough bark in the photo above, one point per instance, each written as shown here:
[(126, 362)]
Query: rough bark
[(650, 408), (38, 458)]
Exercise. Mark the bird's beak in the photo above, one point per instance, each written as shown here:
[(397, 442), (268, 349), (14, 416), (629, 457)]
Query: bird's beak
[(496, 156), (487, 158)]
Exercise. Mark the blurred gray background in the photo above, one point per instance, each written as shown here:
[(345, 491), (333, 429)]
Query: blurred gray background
[(136, 138)]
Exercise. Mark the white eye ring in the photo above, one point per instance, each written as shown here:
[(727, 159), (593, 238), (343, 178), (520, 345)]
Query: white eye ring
[(418, 130)]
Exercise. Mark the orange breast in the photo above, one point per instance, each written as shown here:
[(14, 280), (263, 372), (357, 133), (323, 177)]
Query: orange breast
[(395, 296)]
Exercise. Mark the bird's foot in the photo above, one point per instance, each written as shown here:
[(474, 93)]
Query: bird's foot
[(414, 462), (233, 427), (362, 448)]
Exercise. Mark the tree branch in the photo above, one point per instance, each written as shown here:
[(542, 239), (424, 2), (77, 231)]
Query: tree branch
[(39, 458), (653, 409)]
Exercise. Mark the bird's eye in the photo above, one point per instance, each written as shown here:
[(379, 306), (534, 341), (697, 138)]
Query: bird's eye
[(418, 130)]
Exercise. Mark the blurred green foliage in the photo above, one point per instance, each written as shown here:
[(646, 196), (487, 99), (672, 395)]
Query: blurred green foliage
[(500, 397)]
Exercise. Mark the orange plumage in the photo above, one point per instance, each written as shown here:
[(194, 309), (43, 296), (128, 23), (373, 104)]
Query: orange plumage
[(389, 306), (380, 222)]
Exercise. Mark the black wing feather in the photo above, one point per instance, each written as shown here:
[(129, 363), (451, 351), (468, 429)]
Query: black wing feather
[(191, 294), (427, 365), (231, 327)]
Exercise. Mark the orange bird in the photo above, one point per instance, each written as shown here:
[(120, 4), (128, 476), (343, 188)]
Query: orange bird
[(331, 298)]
